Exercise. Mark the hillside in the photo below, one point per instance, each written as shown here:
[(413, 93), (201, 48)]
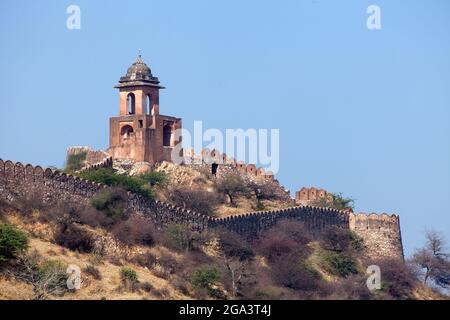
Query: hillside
[(175, 263)]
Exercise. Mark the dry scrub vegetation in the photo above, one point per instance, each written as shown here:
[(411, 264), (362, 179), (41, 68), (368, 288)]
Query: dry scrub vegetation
[(123, 256)]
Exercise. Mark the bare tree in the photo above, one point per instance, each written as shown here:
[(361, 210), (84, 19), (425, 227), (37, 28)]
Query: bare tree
[(46, 281), (237, 256), (434, 260)]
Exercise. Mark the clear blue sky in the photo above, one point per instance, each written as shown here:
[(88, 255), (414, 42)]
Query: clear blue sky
[(362, 112)]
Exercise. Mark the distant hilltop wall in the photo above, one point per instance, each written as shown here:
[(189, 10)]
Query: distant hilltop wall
[(305, 195), (210, 157), (94, 158), (381, 233)]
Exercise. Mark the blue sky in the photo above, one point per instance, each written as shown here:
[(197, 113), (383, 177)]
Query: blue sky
[(361, 112)]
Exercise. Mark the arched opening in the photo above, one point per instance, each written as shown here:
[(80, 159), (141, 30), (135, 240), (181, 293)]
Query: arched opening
[(214, 168), (131, 103), (149, 105), (126, 131), (167, 135)]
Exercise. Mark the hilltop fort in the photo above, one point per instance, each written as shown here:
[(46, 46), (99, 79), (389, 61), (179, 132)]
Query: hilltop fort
[(141, 138)]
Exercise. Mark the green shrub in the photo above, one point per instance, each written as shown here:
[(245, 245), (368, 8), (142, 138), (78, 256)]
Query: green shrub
[(232, 185), (141, 184), (153, 178), (50, 267), (338, 263), (356, 242), (12, 242), (205, 278), (75, 162), (336, 201), (181, 237), (111, 202), (128, 275), (53, 277)]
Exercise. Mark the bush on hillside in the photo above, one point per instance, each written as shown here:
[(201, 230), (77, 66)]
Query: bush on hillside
[(294, 273), (75, 238), (232, 185), (129, 278), (273, 246), (135, 230), (196, 200), (340, 240), (206, 278), (52, 278), (93, 271), (140, 184), (111, 202), (234, 246), (12, 242), (338, 263), (181, 237), (128, 274), (335, 201), (75, 162)]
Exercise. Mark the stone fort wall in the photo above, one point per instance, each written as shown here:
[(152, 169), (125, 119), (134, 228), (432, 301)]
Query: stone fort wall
[(381, 233), (94, 158)]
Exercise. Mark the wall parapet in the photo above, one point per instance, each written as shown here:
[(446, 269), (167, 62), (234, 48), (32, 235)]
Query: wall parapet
[(214, 156), (95, 159), (381, 233)]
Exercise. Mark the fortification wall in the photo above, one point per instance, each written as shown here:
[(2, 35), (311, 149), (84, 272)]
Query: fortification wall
[(381, 233), (252, 224), (94, 158), (209, 157)]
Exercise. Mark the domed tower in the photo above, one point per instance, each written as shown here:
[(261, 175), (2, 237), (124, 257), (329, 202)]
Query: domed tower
[(140, 133)]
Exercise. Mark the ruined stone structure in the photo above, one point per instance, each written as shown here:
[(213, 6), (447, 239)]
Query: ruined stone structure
[(381, 233), (215, 159), (95, 159), (139, 132), (306, 196)]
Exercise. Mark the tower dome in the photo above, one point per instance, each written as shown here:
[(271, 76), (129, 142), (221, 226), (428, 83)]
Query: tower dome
[(139, 74)]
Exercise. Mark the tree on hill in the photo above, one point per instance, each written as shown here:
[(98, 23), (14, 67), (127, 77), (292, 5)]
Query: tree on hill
[(434, 260), (335, 201), (232, 185)]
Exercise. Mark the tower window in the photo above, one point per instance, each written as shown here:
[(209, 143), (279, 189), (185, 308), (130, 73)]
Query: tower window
[(126, 131), (141, 123), (167, 135), (214, 168), (149, 105), (131, 103)]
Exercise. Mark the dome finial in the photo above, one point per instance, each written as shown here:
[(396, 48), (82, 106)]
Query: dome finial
[(140, 51)]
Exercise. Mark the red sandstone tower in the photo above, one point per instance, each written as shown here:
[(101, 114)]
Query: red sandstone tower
[(140, 133)]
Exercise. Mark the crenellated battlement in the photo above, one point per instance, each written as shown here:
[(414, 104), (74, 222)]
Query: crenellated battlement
[(381, 233), (95, 159), (210, 157)]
